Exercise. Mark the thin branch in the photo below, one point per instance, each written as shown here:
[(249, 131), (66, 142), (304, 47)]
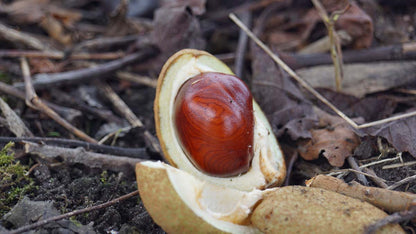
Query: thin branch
[(104, 149), (354, 165), (122, 107), (42, 81), (393, 218), (59, 54), (400, 52), (310, 88), (14, 36), (75, 212), (33, 101), (47, 153), (403, 181), (119, 104)]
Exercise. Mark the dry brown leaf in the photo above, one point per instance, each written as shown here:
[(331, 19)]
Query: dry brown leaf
[(52, 18), (401, 134), (336, 141), (32, 11), (358, 25)]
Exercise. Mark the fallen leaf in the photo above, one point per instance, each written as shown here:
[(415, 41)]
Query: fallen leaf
[(49, 16), (401, 134), (174, 29), (336, 141), (358, 25)]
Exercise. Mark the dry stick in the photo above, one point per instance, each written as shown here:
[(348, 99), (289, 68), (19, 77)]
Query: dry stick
[(393, 218), (14, 36), (310, 88), (58, 54), (68, 113), (13, 122), (75, 212), (396, 165), (383, 53), (391, 201), (47, 153), (83, 75), (119, 104), (379, 181), (101, 42), (241, 46), (403, 181), (143, 80), (104, 149), (354, 165), (122, 107), (33, 101)]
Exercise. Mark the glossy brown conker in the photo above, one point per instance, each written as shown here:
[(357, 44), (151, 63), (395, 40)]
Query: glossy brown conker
[(214, 121)]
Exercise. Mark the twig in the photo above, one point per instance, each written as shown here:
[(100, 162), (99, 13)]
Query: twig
[(119, 104), (344, 171), (396, 165), (403, 181), (13, 121), (143, 80), (14, 36), (75, 212), (59, 55), (104, 149), (43, 81), (79, 155), (354, 165), (393, 218), (379, 181), (122, 107), (241, 46), (399, 52), (68, 113), (105, 42), (310, 88), (379, 162), (391, 201), (33, 101)]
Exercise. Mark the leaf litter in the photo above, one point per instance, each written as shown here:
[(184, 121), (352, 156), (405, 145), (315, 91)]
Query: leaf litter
[(322, 139)]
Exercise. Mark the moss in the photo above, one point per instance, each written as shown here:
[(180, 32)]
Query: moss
[(14, 183)]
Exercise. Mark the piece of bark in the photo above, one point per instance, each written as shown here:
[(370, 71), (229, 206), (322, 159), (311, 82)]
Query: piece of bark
[(391, 201), (361, 79), (14, 122), (80, 155)]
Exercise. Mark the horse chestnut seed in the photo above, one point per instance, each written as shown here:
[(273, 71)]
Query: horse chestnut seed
[(213, 116)]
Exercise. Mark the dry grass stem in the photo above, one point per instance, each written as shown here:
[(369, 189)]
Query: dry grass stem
[(396, 165), (403, 181), (380, 162), (307, 86), (335, 44)]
